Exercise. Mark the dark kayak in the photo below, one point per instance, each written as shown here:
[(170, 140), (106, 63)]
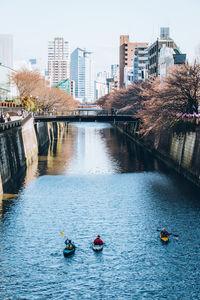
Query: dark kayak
[(67, 252), (97, 247)]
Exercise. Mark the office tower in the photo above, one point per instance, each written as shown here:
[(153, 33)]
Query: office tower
[(58, 61), (6, 50), (6, 65), (82, 74), (127, 54)]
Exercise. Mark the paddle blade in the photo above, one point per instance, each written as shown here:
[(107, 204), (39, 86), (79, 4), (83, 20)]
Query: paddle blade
[(62, 233)]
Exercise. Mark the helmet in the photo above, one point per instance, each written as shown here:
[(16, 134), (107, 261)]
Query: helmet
[(163, 229), (70, 241), (98, 236)]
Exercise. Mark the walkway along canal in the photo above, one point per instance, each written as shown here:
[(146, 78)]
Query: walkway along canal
[(94, 180)]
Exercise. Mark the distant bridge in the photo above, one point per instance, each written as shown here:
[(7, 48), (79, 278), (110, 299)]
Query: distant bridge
[(83, 115)]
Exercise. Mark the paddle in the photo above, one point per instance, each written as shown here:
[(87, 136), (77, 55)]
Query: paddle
[(62, 233)]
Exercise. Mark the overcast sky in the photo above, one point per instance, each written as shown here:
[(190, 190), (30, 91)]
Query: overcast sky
[(97, 24)]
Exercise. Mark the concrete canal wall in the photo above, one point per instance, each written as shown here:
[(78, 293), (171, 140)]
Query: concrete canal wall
[(179, 152), (20, 143)]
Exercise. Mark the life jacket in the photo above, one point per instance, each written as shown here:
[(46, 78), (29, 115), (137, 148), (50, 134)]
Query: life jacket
[(69, 246)]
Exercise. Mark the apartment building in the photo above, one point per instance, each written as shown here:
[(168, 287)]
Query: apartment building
[(127, 55), (140, 65), (58, 60)]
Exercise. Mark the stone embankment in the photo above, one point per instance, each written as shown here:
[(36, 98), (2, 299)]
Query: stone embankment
[(179, 152), (20, 143)]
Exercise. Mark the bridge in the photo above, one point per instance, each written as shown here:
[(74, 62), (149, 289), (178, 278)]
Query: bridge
[(82, 115)]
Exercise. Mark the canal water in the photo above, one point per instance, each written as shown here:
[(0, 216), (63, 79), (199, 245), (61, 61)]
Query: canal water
[(93, 180)]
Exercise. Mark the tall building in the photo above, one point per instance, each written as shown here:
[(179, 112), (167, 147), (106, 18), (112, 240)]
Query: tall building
[(58, 61), (127, 54), (140, 65), (82, 74), (6, 50), (6, 65), (154, 51)]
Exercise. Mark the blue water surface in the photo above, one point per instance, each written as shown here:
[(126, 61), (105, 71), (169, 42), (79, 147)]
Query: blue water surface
[(94, 181)]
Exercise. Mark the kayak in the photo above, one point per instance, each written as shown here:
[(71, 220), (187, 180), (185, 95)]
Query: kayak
[(164, 239), (97, 247), (67, 252)]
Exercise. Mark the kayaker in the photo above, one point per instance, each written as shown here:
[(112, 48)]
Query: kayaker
[(69, 244), (98, 241), (164, 233)]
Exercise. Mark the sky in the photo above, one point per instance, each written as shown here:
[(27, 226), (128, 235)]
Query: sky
[(97, 25)]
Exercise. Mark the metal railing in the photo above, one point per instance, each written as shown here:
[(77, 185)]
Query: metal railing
[(77, 112), (17, 123)]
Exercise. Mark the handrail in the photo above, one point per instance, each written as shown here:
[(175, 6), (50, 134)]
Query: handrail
[(9, 125), (78, 112)]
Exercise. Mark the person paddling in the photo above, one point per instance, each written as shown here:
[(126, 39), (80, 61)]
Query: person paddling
[(164, 233), (98, 241), (69, 244)]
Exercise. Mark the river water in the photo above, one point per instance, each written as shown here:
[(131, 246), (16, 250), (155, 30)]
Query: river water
[(93, 180)]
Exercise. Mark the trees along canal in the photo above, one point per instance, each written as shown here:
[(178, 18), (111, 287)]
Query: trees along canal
[(33, 87), (158, 104)]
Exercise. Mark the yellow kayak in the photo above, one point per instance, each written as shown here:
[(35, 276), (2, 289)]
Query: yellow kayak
[(164, 239)]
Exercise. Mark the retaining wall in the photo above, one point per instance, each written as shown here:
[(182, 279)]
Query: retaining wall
[(179, 152), (20, 143)]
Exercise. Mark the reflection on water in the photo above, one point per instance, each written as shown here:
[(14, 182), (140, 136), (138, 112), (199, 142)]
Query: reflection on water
[(60, 153), (93, 148), (106, 185)]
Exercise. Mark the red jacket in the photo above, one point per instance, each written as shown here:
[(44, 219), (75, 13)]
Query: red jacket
[(98, 241), (164, 232)]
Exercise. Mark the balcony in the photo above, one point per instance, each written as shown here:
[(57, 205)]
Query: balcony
[(143, 59), (142, 52), (142, 65)]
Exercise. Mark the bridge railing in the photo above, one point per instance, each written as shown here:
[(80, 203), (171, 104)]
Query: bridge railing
[(78, 112)]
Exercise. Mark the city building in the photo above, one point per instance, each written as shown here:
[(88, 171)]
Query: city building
[(127, 54), (154, 51), (100, 84), (140, 64), (73, 88), (128, 76), (114, 70), (115, 75), (6, 65), (100, 89), (82, 74), (58, 61), (6, 50), (169, 57)]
